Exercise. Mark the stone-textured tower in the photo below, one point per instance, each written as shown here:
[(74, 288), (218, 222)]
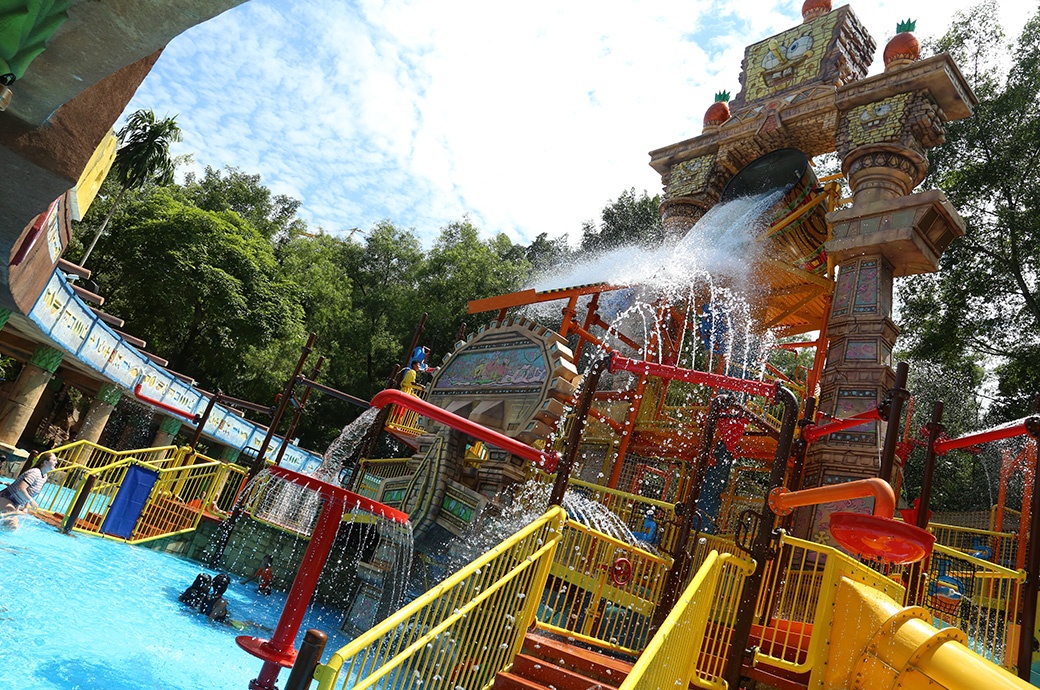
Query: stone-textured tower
[(805, 88)]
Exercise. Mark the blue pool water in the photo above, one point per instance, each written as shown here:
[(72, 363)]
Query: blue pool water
[(85, 613)]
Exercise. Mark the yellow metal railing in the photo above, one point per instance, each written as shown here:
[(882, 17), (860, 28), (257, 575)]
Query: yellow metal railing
[(375, 472), (689, 650), (229, 488), (602, 591), (461, 633), (90, 455), (405, 421), (977, 596), (796, 603), (996, 547), (186, 486), (178, 499), (630, 508)]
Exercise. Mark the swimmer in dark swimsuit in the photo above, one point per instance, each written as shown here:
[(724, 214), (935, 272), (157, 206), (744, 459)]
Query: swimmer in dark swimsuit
[(198, 591), (215, 605)]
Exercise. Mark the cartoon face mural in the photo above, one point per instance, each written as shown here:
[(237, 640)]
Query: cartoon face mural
[(789, 59)]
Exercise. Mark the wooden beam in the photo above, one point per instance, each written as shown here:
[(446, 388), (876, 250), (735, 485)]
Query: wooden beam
[(87, 295), (136, 342), (113, 321), (524, 297), (69, 267)]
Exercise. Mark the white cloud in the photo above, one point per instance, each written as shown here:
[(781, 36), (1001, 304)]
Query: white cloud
[(527, 117)]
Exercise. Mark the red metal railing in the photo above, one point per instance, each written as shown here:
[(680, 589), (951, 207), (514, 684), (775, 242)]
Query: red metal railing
[(665, 371), (546, 460), (814, 433), (1022, 427)]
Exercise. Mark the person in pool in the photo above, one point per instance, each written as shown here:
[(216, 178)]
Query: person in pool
[(214, 605), (198, 591), (263, 576), (20, 495)]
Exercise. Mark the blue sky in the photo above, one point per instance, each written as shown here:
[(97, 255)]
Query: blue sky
[(526, 117)]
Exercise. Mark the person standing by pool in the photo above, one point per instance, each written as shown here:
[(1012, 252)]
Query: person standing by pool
[(20, 495), (263, 576)]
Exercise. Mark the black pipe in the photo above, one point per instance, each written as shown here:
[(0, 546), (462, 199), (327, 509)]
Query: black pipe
[(77, 507), (200, 422), (578, 420), (800, 446), (332, 392), (681, 556), (799, 449), (895, 412), (1032, 583), (912, 576), (760, 547), (311, 649), (299, 412), (283, 402), (223, 534)]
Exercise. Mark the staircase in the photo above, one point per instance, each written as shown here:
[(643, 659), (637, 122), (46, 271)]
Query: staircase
[(548, 664)]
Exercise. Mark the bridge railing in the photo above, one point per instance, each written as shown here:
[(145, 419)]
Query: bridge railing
[(977, 596), (602, 591), (796, 603), (689, 649), (461, 633)]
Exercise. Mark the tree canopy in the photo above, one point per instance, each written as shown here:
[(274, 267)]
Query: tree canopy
[(983, 306), (222, 278)]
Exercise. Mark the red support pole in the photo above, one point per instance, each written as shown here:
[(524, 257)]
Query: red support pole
[(812, 434), (278, 652), (161, 405)]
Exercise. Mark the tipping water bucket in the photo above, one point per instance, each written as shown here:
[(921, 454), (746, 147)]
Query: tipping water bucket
[(800, 241)]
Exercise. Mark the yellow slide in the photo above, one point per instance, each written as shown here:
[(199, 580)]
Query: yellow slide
[(883, 645)]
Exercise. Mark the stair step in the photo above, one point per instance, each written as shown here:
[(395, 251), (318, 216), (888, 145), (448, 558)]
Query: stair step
[(511, 681), (775, 677), (555, 677), (593, 665)]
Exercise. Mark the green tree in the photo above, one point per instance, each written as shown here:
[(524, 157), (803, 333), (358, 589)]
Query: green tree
[(631, 219), (384, 273), (203, 288), (984, 304), (462, 267), (273, 216), (143, 157), (544, 254)]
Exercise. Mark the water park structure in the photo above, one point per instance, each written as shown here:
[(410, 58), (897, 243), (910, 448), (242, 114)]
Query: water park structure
[(690, 514)]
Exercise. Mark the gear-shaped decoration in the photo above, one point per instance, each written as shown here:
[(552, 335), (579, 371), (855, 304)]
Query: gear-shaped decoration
[(516, 377)]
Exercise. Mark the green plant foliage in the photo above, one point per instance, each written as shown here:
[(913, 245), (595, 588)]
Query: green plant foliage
[(630, 220), (984, 304)]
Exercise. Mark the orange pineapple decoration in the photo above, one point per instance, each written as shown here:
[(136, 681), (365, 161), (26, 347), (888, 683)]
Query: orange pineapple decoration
[(718, 112), (815, 8), (904, 47)]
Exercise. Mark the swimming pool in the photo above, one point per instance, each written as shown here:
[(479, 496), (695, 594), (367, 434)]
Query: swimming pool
[(86, 613)]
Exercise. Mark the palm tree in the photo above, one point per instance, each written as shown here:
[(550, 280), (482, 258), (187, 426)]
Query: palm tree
[(143, 156)]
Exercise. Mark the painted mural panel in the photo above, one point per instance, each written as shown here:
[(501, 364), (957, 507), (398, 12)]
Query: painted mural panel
[(495, 369)]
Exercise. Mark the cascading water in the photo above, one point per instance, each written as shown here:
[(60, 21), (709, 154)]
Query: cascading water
[(709, 271), (525, 503)]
